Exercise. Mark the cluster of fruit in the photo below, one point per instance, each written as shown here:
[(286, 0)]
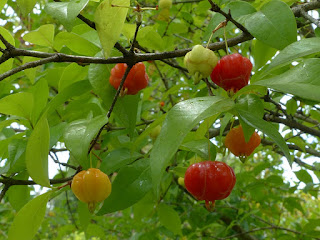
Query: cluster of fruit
[(214, 180), (231, 72)]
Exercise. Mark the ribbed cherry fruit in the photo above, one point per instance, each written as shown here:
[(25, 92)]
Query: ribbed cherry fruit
[(136, 80), (210, 181), (236, 143), (232, 72), (91, 186)]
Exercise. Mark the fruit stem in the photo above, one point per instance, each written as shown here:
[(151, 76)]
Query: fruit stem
[(221, 25), (210, 205)]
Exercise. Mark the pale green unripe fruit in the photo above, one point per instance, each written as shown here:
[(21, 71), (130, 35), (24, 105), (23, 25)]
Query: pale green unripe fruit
[(200, 62), (165, 4)]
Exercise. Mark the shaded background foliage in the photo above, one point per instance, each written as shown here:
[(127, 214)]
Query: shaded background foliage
[(56, 99)]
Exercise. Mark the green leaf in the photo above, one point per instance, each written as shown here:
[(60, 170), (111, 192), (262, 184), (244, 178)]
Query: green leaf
[(78, 135), (19, 195), (109, 23), (304, 176), (72, 73), (126, 109), (132, 183), (84, 215), (169, 218), (26, 6), (237, 9), (59, 11), (268, 129), (40, 94), (75, 7), (261, 54), (265, 24), (37, 153), (75, 89), (200, 147), (99, 78), (291, 106), (149, 38), (294, 51), (144, 207), (178, 123), (6, 66), (302, 80), (75, 43), (18, 104), (253, 104), (26, 223), (292, 203), (2, 4), (117, 159), (43, 36)]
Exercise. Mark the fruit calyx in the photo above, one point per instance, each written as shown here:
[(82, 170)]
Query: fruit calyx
[(232, 72), (236, 143), (136, 80), (209, 181), (91, 186), (200, 62)]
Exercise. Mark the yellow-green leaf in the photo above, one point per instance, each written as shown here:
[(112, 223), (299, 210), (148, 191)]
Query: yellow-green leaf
[(109, 23), (37, 153)]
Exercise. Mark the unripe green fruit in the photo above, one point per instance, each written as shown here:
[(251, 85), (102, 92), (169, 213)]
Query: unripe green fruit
[(165, 4), (181, 181), (155, 132), (200, 62)]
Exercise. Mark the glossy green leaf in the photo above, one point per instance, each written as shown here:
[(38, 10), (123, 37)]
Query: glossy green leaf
[(16, 151), (109, 23), (253, 104), (2, 4), (117, 158), (294, 51), (178, 123), (18, 104), (144, 207), (26, 6), (237, 9), (59, 11), (126, 109), (302, 80), (79, 134), (264, 24), (268, 129), (132, 183), (149, 38), (84, 215), (200, 147), (72, 73), (43, 36), (169, 218), (26, 223), (37, 153), (75, 43)]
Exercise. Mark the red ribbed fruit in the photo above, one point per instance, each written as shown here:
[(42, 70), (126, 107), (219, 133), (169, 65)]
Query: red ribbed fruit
[(210, 181)]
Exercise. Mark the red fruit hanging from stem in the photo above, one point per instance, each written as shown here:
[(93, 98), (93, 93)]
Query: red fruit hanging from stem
[(232, 72), (136, 80), (210, 181)]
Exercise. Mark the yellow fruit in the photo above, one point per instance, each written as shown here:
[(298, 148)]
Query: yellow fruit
[(181, 181), (91, 186)]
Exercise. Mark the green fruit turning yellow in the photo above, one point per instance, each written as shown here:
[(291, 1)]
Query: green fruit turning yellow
[(200, 62), (165, 4), (155, 132)]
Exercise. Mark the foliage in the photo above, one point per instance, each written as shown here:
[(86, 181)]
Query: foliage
[(57, 108)]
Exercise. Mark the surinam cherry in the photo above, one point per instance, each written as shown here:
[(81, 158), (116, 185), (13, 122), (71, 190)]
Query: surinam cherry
[(136, 80), (200, 62), (232, 72), (210, 181), (91, 186)]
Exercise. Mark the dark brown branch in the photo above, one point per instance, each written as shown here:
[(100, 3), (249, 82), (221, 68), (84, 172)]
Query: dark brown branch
[(4, 190), (11, 181), (310, 18)]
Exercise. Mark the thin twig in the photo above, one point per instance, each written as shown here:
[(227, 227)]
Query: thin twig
[(309, 17)]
